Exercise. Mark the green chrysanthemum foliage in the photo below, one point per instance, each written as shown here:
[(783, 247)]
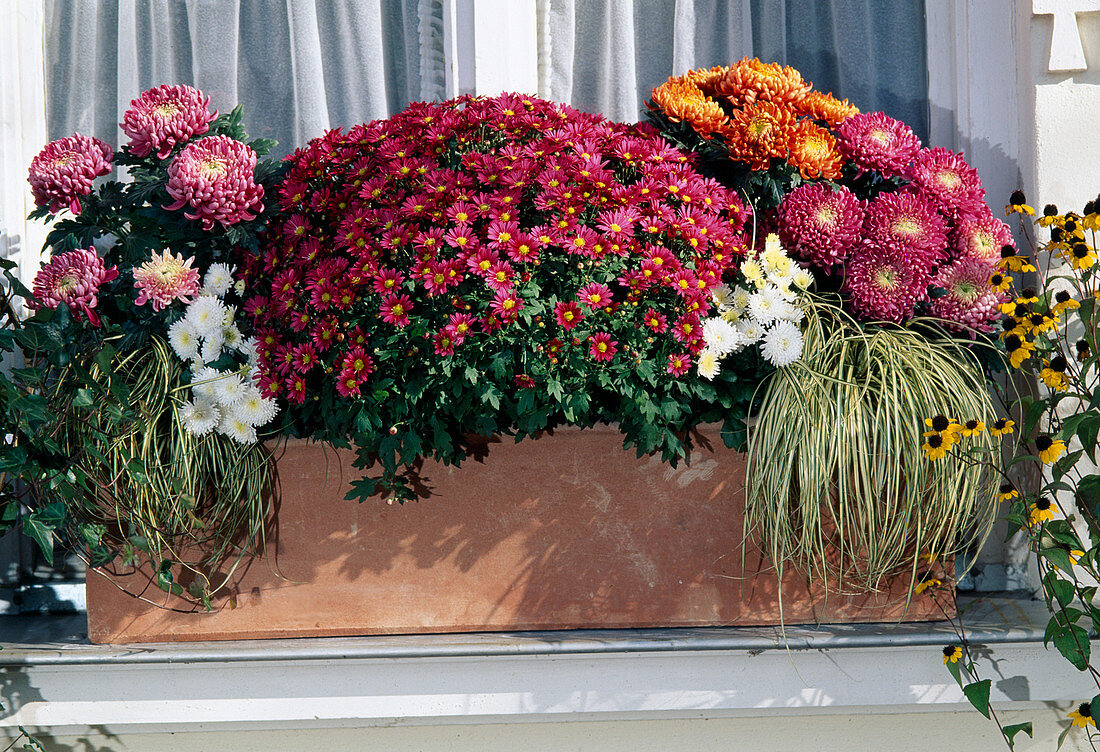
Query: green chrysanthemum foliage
[(837, 483)]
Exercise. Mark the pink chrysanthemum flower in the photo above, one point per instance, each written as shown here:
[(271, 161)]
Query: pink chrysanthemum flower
[(679, 364), (164, 117), (909, 220), (947, 178), (73, 278), (165, 278), (820, 225), (601, 347), (982, 236), (970, 302), (215, 176), (885, 282), (64, 170), (875, 141)]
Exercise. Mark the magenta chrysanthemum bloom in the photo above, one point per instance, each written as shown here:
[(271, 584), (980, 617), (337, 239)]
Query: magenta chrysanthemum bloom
[(164, 117), (216, 177), (875, 141), (947, 178), (970, 302), (910, 221), (73, 278), (820, 225), (166, 278), (982, 236), (885, 282), (64, 170)]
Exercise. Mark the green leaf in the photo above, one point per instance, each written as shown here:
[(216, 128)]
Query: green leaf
[(84, 398), (956, 671), (978, 694), (1058, 589), (1011, 731), (1065, 464), (1073, 643)]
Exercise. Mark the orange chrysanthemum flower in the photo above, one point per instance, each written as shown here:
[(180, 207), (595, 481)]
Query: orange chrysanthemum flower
[(826, 108), (760, 132), (682, 99), (813, 150), (751, 80)]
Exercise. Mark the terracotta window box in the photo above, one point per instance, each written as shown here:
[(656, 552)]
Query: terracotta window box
[(564, 531)]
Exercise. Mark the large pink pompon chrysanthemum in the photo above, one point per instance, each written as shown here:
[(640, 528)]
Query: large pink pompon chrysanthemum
[(165, 278), (885, 282), (64, 170), (909, 220), (820, 225), (949, 180), (73, 278), (216, 177), (981, 236), (875, 141), (164, 117), (969, 301)]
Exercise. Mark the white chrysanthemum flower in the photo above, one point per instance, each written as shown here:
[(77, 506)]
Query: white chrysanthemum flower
[(212, 345), (232, 426), (772, 244), (207, 314), (230, 390), (203, 381), (802, 278), (782, 344), (751, 331), (753, 272), (721, 295), (184, 341), (739, 300), (250, 348), (782, 282), (238, 287), (199, 417), (254, 409), (791, 312), (732, 316), (232, 338), (721, 336), (776, 263), (766, 305), (218, 280), (708, 364)]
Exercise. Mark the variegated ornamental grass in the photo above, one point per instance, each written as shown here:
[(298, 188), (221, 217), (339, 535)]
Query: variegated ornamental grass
[(837, 483)]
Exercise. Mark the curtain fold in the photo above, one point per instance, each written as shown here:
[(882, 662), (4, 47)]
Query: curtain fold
[(299, 67), (607, 55)]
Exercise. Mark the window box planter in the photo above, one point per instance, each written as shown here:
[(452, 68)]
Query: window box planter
[(564, 531)]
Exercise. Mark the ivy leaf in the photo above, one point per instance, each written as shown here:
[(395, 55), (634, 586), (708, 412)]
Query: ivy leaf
[(1073, 643), (978, 694), (1011, 731)]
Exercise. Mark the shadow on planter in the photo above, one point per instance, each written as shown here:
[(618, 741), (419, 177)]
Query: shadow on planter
[(560, 532)]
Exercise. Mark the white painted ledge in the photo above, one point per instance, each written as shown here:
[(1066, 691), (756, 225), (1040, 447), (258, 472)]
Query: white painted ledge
[(70, 687)]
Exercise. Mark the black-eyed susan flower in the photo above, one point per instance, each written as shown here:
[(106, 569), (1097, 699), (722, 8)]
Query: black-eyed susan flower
[(1054, 374), (1018, 349), (1082, 716), (1083, 350), (939, 424), (1000, 282), (1007, 492), (1017, 204), (1040, 511), (1012, 262), (1016, 309), (1082, 256), (1072, 227), (1091, 220), (1063, 301), (971, 427), (952, 654), (1049, 449), (1050, 216), (927, 582), (1002, 426), (1013, 325), (935, 448)]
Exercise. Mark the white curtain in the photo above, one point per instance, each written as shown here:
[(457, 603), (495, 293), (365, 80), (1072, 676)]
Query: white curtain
[(607, 55), (299, 67)]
